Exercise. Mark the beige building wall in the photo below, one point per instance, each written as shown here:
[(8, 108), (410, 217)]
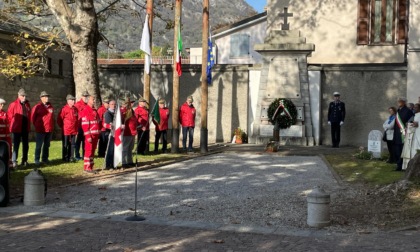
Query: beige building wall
[(256, 31), (332, 26)]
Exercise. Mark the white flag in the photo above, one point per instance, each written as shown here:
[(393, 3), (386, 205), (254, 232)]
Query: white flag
[(145, 44), (118, 137)]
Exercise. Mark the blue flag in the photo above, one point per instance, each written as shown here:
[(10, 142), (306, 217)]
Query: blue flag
[(210, 60)]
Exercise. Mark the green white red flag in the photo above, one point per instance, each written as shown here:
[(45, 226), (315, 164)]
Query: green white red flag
[(179, 50)]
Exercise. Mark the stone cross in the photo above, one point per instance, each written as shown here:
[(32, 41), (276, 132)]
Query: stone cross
[(285, 15)]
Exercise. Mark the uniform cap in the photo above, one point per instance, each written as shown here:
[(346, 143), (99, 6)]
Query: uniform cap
[(22, 92), (142, 100), (336, 94), (403, 99), (44, 93), (162, 101), (85, 93), (70, 97), (2, 101), (106, 100), (190, 98)]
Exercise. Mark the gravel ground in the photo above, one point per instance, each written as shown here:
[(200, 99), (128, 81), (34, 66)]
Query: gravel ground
[(249, 189)]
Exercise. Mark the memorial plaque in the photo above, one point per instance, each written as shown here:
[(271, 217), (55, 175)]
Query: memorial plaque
[(293, 131), (283, 79), (266, 130), (375, 143)]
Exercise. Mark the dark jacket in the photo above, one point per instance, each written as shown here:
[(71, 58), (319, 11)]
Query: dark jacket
[(405, 114), (336, 112)]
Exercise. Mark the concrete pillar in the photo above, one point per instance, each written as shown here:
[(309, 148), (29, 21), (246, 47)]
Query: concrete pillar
[(34, 189), (318, 208)]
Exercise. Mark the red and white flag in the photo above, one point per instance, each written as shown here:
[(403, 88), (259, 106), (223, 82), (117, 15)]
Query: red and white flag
[(118, 137)]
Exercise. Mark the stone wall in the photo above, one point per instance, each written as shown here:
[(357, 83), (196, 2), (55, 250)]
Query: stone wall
[(368, 92), (56, 84), (228, 93)]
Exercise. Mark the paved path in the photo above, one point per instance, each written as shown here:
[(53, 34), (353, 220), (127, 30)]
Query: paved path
[(224, 202), (24, 232)]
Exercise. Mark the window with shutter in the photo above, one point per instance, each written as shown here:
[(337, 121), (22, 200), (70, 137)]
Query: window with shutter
[(239, 45), (381, 22)]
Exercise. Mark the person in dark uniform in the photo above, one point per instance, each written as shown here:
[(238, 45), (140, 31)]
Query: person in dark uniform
[(403, 116), (336, 116)]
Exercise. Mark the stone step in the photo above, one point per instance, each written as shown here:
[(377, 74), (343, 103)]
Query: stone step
[(284, 33), (285, 40)]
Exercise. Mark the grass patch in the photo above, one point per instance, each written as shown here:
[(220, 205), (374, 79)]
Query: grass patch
[(59, 173), (373, 172)]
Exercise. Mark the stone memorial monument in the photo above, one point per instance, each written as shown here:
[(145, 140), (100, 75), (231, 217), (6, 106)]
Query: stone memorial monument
[(375, 143), (284, 75)]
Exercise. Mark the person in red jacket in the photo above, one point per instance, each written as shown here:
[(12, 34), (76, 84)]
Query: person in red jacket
[(103, 140), (67, 120), (19, 114), (43, 119), (91, 126), (187, 121), (162, 127), (142, 115), (80, 139), (4, 128), (130, 131)]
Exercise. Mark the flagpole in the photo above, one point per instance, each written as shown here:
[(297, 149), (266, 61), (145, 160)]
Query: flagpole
[(149, 11), (204, 84), (175, 85), (147, 76)]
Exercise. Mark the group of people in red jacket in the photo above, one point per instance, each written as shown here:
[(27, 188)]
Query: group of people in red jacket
[(85, 126)]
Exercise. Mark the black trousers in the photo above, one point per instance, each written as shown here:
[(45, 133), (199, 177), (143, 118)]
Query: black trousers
[(164, 136), (398, 148), (390, 145), (17, 139), (80, 141), (102, 144), (142, 140), (109, 159), (69, 142), (335, 133)]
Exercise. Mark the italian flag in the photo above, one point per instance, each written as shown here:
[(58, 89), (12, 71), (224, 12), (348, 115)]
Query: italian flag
[(179, 50), (156, 112)]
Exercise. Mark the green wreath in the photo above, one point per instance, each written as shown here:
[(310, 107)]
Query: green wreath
[(286, 113)]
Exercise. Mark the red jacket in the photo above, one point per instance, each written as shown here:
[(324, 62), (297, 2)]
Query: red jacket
[(67, 120), (142, 115), (4, 125), (90, 121), (164, 118), (15, 116), (187, 115), (101, 112), (80, 105), (43, 117), (130, 123)]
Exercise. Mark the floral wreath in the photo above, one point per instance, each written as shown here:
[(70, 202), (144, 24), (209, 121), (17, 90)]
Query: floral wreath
[(282, 111)]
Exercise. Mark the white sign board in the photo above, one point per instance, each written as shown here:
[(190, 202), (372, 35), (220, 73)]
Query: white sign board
[(375, 143)]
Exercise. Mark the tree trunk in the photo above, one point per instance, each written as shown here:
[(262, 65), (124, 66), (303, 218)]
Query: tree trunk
[(85, 71), (413, 168), (80, 25)]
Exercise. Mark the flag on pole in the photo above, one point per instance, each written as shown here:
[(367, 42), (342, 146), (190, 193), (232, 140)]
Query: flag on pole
[(210, 60), (145, 45), (156, 113), (179, 50), (118, 137)]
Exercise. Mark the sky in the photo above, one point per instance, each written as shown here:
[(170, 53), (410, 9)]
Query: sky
[(257, 4)]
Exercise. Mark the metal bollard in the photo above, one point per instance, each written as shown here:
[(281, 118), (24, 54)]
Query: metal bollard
[(34, 194), (318, 208)]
